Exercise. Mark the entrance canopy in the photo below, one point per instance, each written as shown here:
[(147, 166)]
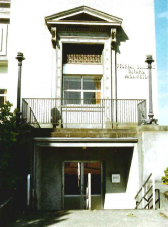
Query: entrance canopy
[(82, 15)]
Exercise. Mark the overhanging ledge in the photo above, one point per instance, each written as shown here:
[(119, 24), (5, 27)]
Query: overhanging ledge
[(83, 15), (70, 141)]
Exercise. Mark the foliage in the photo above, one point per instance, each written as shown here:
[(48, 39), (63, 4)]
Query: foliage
[(10, 174), (165, 178), (8, 129), (166, 170)]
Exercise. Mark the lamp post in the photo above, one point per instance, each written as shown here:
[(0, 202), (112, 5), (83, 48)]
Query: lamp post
[(20, 58), (149, 60)]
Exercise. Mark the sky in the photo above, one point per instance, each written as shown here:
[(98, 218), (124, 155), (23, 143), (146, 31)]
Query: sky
[(161, 22)]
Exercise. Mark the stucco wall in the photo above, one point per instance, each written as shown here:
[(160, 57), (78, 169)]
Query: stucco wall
[(122, 161), (29, 34), (153, 149)]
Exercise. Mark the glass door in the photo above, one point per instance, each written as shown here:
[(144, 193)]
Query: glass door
[(76, 183)]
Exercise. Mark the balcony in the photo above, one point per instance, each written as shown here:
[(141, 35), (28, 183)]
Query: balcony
[(83, 113)]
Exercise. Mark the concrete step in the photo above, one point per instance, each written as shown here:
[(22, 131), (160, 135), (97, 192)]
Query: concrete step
[(94, 134), (82, 133), (92, 130)]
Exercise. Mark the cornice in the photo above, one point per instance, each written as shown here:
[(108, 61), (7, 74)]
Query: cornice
[(82, 17), (103, 19)]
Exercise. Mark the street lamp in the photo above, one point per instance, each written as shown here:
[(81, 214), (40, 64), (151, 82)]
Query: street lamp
[(149, 60), (20, 58)]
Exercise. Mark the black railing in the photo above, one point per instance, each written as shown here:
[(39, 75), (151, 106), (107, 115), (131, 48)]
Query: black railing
[(6, 209), (142, 115), (83, 112), (28, 114)]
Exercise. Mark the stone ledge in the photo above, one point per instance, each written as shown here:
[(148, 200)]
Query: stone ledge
[(156, 128)]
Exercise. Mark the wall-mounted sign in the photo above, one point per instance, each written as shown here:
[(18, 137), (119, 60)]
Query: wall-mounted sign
[(133, 66), (115, 178), (135, 71)]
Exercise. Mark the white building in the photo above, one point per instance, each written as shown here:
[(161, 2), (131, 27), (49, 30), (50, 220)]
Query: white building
[(85, 76)]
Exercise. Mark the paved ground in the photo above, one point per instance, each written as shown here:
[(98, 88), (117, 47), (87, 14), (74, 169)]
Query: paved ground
[(95, 218)]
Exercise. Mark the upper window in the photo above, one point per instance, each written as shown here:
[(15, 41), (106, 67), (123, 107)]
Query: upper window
[(82, 53), (80, 89), (3, 94)]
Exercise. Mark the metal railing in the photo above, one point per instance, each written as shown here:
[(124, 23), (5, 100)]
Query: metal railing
[(148, 197), (142, 115), (6, 209), (83, 112), (28, 114)]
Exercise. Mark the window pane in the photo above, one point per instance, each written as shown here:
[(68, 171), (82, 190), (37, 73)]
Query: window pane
[(72, 178), (3, 91), (91, 83), (72, 82), (71, 97), (2, 100), (95, 169), (89, 97), (92, 97)]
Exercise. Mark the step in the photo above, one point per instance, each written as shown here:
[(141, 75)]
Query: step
[(93, 134), (90, 130)]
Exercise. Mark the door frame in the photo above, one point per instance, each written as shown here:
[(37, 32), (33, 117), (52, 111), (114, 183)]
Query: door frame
[(102, 170)]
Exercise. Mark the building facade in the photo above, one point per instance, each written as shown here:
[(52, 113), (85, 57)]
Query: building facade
[(85, 90)]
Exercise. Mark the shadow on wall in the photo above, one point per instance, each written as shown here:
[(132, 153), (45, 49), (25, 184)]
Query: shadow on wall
[(121, 37), (128, 165), (118, 162), (39, 219)]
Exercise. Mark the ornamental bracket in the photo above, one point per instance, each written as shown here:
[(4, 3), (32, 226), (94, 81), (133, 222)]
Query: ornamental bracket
[(113, 37), (54, 36)]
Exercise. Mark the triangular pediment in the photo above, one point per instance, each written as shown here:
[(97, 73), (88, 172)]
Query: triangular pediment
[(83, 15)]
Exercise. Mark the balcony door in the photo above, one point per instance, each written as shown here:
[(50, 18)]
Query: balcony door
[(76, 182)]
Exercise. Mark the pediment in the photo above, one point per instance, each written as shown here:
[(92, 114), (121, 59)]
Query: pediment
[(83, 15)]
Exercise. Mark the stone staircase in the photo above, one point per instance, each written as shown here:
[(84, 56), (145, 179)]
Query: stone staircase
[(94, 133)]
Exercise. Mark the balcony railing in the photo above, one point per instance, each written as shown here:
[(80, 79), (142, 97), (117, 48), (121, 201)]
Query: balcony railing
[(83, 113)]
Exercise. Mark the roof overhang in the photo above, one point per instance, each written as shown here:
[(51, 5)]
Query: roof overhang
[(83, 16)]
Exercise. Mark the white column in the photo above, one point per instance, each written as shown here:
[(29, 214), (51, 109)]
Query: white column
[(89, 186), (28, 190)]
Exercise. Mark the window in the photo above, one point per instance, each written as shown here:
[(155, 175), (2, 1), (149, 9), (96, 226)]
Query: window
[(82, 53), (3, 94), (81, 89)]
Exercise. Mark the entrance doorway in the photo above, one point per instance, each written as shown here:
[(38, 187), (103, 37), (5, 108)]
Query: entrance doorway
[(76, 183)]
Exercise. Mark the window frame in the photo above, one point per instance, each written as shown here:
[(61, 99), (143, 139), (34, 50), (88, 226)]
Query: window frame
[(82, 91), (3, 95)]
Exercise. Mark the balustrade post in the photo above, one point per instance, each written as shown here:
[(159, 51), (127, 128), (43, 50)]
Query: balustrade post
[(143, 193), (30, 114), (102, 113), (153, 189)]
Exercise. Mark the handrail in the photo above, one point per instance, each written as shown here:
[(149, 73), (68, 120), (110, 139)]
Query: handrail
[(143, 185), (138, 193), (147, 180), (147, 192), (151, 197), (142, 115), (35, 119), (95, 112), (150, 200), (5, 203), (4, 209), (28, 113)]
